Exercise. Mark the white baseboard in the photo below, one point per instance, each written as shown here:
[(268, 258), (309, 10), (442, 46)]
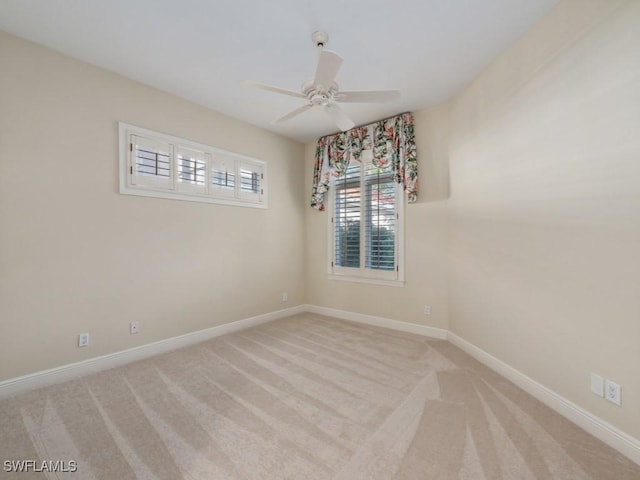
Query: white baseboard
[(70, 371), (612, 436), (432, 332)]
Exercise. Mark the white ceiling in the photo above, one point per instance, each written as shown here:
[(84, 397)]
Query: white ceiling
[(201, 50)]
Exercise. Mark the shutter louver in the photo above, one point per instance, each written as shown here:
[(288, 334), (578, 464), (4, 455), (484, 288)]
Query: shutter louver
[(223, 176), (251, 177), (346, 222), (192, 170), (381, 225), (152, 162)]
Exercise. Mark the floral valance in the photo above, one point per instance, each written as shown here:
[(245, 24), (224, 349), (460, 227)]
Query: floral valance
[(391, 141)]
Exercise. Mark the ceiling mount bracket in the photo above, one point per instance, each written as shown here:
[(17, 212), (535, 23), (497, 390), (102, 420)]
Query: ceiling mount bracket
[(320, 38)]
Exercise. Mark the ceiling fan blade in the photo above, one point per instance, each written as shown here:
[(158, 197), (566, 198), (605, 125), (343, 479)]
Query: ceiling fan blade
[(340, 118), (328, 65), (270, 88), (292, 114), (373, 96)]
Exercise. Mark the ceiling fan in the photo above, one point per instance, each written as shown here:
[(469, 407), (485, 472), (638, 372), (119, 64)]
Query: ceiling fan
[(323, 92)]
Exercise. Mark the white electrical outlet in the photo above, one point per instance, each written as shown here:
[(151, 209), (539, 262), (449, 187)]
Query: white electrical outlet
[(597, 384), (134, 327), (285, 297), (83, 340), (612, 391), (427, 309)]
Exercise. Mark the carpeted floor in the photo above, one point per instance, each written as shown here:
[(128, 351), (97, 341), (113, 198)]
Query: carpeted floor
[(307, 397)]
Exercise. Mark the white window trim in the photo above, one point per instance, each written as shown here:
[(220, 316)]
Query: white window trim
[(128, 188), (362, 274)]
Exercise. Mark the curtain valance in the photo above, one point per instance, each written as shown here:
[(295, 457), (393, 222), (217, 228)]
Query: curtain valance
[(391, 141)]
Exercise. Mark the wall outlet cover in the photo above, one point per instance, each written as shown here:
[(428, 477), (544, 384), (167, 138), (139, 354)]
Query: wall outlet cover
[(597, 385), (83, 340), (612, 391)]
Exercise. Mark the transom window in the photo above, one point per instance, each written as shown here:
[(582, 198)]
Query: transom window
[(159, 165)]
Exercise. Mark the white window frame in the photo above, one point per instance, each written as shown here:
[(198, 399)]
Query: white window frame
[(362, 274), (132, 184)]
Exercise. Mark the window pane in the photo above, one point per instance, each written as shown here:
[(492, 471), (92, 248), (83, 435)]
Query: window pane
[(347, 217), (223, 179), (249, 181), (191, 168), (374, 170), (251, 178), (153, 161), (380, 225), (223, 174)]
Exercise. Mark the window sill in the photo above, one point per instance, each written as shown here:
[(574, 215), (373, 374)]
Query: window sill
[(173, 195), (371, 281)]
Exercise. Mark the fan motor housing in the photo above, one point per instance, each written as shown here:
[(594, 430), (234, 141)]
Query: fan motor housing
[(311, 91)]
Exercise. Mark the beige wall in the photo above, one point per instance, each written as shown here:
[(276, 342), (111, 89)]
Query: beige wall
[(75, 256), (426, 241), (545, 206)]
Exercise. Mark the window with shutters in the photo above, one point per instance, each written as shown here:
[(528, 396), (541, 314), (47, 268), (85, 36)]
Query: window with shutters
[(159, 165), (366, 224)]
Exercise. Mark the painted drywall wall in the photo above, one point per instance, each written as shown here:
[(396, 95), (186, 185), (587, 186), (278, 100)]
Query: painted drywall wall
[(76, 256), (545, 206), (426, 241)]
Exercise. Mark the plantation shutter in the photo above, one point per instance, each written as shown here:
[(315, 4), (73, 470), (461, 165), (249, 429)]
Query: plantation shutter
[(380, 214), (154, 164), (251, 178), (365, 221), (151, 162), (192, 170), (347, 217), (223, 175)]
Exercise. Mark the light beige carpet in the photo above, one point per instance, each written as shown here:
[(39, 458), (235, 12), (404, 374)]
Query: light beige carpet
[(306, 397)]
